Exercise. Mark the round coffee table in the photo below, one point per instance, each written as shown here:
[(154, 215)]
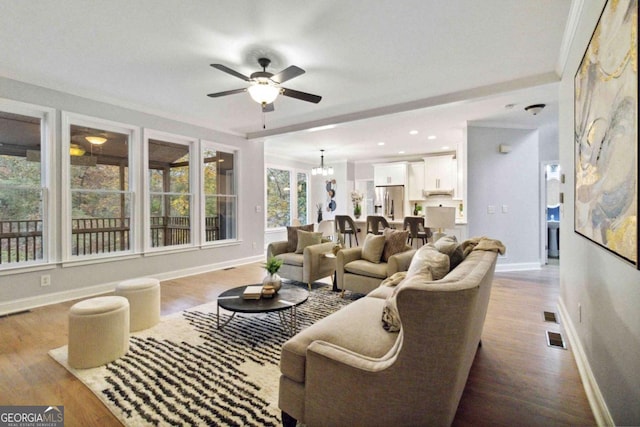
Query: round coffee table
[(289, 297)]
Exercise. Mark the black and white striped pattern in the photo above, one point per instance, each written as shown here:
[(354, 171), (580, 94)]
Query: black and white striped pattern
[(199, 375)]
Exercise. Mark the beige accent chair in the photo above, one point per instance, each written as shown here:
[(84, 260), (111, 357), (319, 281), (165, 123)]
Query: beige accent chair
[(307, 267), (346, 370), (358, 275)]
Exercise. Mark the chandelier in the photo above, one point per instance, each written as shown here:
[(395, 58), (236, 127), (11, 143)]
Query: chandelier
[(322, 170)]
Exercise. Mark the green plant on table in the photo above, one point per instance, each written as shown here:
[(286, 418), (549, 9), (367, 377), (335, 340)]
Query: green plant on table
[(273, 265)]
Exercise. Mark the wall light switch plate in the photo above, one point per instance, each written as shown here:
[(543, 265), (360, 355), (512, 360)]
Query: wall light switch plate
[(505, 209), (491, 209)]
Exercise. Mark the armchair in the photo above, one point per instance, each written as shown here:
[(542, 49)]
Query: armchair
[(306, 267)]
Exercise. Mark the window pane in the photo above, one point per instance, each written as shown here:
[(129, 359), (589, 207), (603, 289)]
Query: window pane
[(170, 197), (100, 222), (278, 198), (220, 217), (302, 198), (99, 185), (21, 202), (220, 198)]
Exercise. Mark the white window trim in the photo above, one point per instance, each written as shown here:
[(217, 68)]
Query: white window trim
[(67, 120), (48, 152), (206, 144), (194, 180)]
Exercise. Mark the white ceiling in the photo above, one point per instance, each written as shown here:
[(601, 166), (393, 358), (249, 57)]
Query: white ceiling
[(382, 67)]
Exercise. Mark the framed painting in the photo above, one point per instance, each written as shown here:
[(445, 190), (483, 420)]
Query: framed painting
[(606, 133)]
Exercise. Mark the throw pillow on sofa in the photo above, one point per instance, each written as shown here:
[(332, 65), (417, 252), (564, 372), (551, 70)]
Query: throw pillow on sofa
[(395, 242), (429, 259), (372, 248), (307, 238), (292, 235), (449, 246)]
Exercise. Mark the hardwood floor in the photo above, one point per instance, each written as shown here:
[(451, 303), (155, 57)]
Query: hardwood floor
[(515, 379)]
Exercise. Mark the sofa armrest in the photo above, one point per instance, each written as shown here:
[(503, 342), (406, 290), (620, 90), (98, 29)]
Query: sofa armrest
[(400, 262), (351, 359), (344, 257), (315, 265), (277, 248)]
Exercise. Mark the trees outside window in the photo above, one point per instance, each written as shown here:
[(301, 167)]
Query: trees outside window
[(219, 189), (283, 204)]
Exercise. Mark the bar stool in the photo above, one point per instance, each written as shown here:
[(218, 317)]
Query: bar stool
[(415, 224), (376, 224), (346, 226)]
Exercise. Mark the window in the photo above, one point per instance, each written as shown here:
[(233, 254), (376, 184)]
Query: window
[(25, 135), (170, 192), (219, 189), (282, 203), (100, 197)]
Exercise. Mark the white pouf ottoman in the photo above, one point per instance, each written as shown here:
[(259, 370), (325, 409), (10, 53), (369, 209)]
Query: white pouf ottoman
[(98, 331), (144, 301)]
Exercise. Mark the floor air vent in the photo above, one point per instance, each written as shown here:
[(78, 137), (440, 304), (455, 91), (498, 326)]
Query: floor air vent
[(554, 339), (550, 317), (228, 268)]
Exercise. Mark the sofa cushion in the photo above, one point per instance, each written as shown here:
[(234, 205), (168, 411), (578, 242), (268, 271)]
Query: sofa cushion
[(395, 241), (372, 248), (354, 327), (292, 235), (366, 268), (291, 258), (428, 258), (449, 246), (307, 238)]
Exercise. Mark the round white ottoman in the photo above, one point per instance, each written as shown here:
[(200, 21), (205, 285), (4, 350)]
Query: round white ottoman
[(98, 331), (144, 301)]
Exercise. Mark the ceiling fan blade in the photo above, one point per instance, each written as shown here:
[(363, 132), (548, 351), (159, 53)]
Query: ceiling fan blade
[(268, 108), (301, 95), (226, 92), (230, 71), (287, 74)]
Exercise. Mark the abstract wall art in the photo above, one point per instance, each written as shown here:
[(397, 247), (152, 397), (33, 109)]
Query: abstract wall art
[(606, 133)]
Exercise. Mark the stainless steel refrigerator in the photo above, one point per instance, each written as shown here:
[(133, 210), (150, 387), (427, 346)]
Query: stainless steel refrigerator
[(389, 201)]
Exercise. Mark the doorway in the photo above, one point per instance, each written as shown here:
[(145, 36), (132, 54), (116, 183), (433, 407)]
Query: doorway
[(550, 212)]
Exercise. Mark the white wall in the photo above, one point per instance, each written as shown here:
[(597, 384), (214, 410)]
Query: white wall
[(505, 180), (606, 338), (20, 288)]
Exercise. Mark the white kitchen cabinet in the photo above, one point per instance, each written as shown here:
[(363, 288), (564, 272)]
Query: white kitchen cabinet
[(390, 173), (416, 180), (440, 173)]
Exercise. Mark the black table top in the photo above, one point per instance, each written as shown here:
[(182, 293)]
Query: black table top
[(288, 296)]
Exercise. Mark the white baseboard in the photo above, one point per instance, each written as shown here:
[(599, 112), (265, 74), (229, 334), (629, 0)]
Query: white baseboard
[(23, 304), (596, 400), (522, 266)]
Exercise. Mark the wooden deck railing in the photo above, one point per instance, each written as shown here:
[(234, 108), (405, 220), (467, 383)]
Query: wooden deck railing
[(21, 241)]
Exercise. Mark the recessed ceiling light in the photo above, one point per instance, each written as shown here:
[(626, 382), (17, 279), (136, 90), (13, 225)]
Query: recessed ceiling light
[(431, 137), (413, 132), (400, 152), (380, 143), (445, 147)]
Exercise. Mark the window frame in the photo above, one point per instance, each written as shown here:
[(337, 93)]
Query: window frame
[(293, 195), (194, 185), (210, 145), (68, 119), (48, 121)]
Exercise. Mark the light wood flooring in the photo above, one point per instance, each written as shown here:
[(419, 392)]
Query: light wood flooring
[(515, 379)]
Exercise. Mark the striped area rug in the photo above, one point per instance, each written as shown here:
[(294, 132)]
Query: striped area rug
[(184, 371)]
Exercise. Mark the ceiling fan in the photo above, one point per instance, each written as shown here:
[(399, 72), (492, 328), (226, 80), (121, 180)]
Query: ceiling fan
[(265, 87)]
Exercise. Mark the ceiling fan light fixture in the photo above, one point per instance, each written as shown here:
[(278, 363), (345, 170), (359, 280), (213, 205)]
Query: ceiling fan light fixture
[(263, 92), (96, 140), (76, 150)]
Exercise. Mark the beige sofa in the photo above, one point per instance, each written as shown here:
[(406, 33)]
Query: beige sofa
[(358, 275), (307, 267), (346, 370)]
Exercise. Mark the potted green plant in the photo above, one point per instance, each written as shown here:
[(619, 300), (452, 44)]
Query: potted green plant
[(272, 280)]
